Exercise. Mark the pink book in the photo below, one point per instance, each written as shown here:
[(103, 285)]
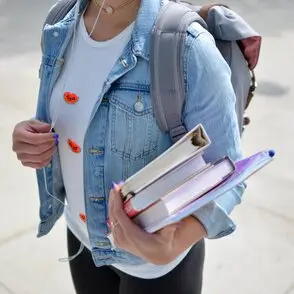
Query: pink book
[(188, 191)]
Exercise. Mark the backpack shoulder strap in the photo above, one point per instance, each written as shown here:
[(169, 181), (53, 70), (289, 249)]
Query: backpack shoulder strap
[(166, 66), (57, 12)]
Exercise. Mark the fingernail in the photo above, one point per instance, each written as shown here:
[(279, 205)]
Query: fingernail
[(56, 137), (113, 185), (108, 223), (120, 183)]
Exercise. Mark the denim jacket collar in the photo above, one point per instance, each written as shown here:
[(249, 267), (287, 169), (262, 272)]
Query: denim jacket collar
[(141, 37)]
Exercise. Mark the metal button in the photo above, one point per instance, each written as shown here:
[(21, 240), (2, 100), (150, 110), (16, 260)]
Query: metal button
[(139, 106), (96, 151), (124, 63), (102, 244), (55, 34), (96, 198)]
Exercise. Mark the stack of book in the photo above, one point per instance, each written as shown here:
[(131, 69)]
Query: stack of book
[(179, 181)]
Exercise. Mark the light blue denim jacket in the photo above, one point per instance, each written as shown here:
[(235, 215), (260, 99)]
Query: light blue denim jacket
[(120, 140)]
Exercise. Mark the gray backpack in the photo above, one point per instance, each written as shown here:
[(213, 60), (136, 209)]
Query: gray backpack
[(238, 43)]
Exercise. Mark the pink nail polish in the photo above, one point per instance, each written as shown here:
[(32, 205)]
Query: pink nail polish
[(56, 137), (108, 223)]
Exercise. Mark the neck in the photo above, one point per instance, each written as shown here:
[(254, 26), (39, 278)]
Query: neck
[(110, 25)]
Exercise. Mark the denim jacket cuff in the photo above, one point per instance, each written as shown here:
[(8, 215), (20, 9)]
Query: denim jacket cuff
[(215, 220)]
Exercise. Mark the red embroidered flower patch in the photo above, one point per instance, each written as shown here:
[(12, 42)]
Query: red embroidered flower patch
[(73, 146), (70, 98), (83, 217)]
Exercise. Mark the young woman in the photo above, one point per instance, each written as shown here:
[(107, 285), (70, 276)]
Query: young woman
[(95, 92)]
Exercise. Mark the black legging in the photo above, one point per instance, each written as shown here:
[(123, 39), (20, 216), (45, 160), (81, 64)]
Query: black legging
[(186, 278)]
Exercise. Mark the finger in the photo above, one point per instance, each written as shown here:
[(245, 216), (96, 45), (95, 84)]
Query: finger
[(130, 229), (111, 197), (36, 138), (119, 185), (111, 215), (36, 165), (119, 238), (37, 158), (40, 127), (32, 132), (25, 148)]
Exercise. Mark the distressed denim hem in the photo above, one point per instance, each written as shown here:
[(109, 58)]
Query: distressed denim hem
[(46, 226)]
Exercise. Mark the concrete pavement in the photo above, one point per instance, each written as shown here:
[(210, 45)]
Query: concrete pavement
[(257, 259)]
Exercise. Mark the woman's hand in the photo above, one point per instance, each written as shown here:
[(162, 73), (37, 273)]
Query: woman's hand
[(33, 143), (159, 248)]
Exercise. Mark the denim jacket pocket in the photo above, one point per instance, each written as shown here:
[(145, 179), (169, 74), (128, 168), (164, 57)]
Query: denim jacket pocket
[(134, 132)]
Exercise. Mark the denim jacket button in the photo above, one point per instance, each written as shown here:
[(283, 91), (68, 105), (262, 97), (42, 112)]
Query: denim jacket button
[(55, 34), (124, 63), (102, 244), (139, 106)]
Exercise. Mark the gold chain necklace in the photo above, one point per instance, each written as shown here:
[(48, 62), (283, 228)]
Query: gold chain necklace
[(110, 9)]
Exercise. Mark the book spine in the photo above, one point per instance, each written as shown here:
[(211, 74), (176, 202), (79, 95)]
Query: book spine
[(129, 209)]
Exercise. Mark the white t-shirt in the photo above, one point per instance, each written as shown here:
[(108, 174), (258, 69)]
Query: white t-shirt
[(87, 66)]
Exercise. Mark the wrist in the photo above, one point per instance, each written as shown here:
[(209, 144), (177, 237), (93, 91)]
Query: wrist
[(189, 233)]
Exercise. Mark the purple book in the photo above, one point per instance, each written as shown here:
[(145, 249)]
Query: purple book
[(243, 170)]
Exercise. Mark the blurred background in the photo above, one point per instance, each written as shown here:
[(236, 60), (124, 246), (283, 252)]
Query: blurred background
[(257, 259)]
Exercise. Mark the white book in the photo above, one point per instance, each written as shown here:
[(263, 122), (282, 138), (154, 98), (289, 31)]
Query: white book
[(164, 185), (194, 142), (195, 187)]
